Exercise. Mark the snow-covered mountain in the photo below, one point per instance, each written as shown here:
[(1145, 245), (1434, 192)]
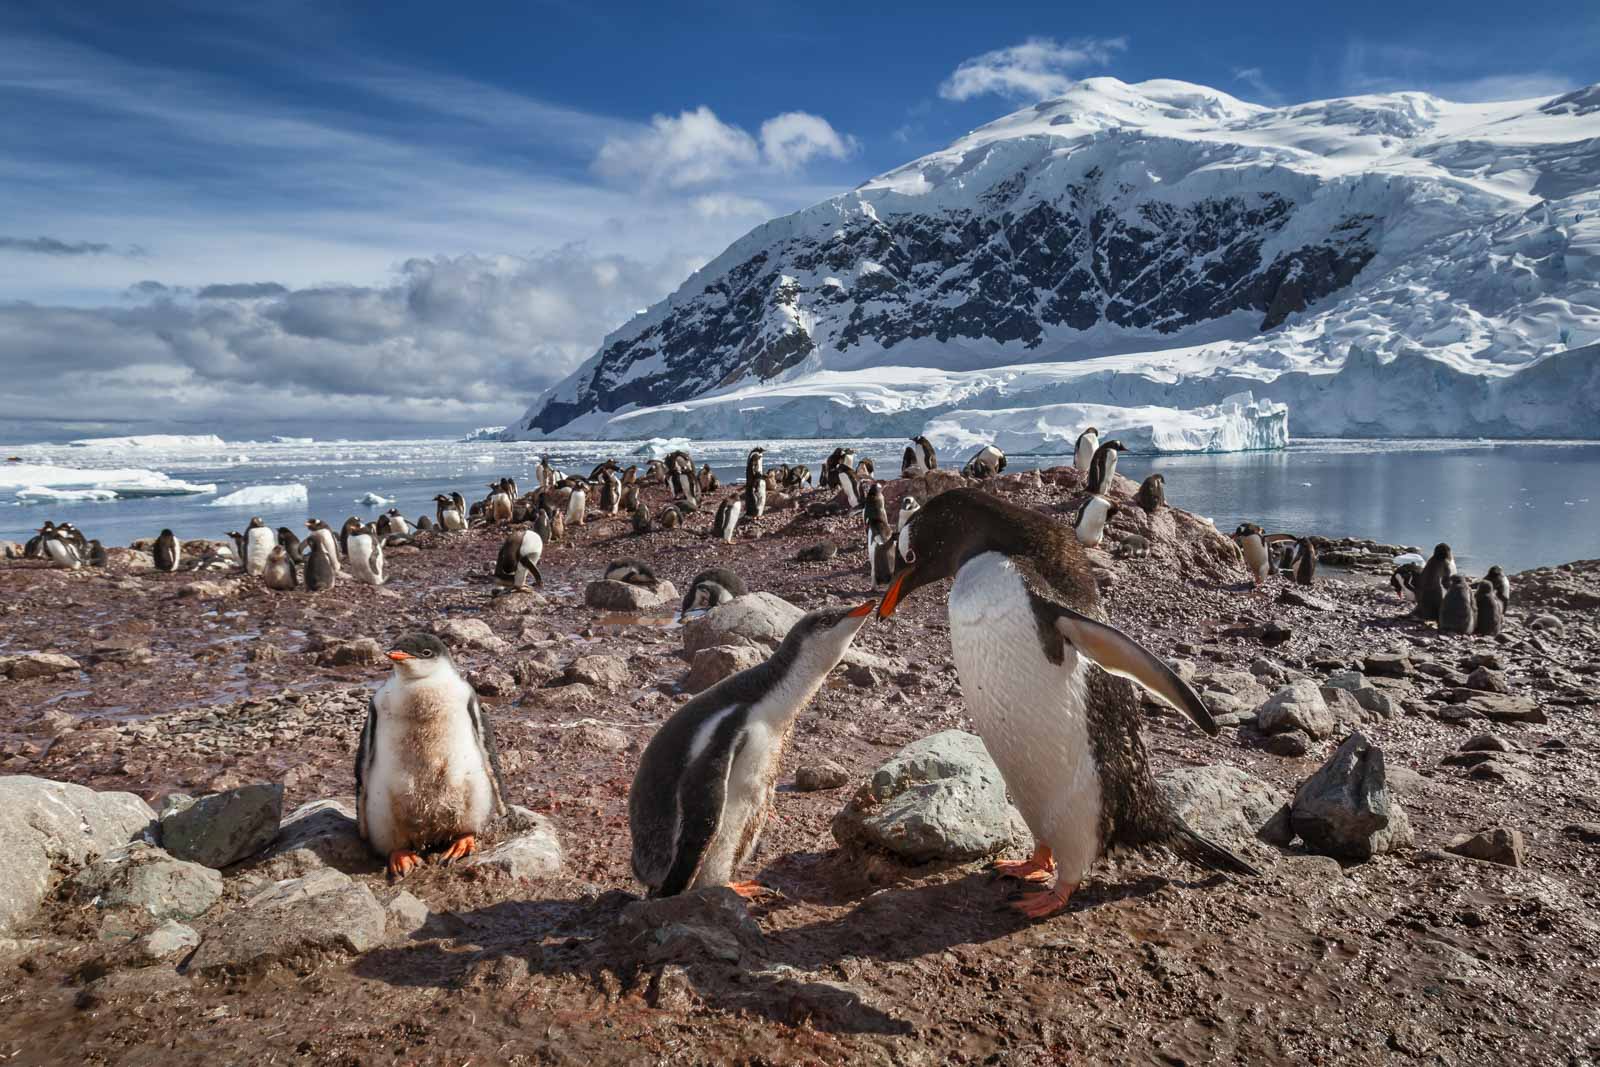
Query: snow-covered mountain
[(1393, 264)]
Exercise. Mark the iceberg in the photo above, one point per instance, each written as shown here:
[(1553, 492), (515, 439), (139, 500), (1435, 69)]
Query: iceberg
[(661, 447), (41, 494), (1239, 424), (39, 480), (373, 500), (264, 496), (153, 440)]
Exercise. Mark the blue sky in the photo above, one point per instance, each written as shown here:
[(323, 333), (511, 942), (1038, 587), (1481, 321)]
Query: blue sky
[(406, 216)]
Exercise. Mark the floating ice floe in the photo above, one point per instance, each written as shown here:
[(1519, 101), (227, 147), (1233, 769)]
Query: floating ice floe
[(661, 447), (153, 440), (264, 496), (373, 500), (41, 494), (39, 481)]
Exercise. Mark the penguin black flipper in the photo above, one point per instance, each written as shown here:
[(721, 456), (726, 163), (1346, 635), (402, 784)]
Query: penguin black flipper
[(483, 730), (364, 753), (1114, 651), (533, 569), (702, 796)]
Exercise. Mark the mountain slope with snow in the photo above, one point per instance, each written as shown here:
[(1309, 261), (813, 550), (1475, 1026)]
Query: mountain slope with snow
[(1150, 243)]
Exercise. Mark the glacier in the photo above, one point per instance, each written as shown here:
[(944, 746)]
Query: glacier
[(1386, 265), (1238, 424)]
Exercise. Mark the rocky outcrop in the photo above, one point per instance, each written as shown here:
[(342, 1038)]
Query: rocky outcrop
[(225, 827)]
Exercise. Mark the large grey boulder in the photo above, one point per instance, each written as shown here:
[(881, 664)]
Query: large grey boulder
[(45, 825), (469, 633), (530, 848), (225, 827), (757, 619), (939, 798), (1298, 706), (610, 673), (607, 595), (318, 834), (1222, 803), (1346, 810), (145, 878), (323, 912)]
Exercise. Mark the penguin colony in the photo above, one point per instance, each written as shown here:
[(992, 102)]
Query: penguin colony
[(1051, 683)]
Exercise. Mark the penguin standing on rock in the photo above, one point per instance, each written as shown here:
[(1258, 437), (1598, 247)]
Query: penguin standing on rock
[(168, 552), (1152, 493), (711, 588), (1458, 612), (427, 770), (1252, 542), (725, 525), (1046, 682), (919, 458), (518, 559), (1431, 583), (629, 502), (259, 540), (755, 484), (1089, 526), (1083, 451), (1103, 467), (351, 525), (704, 787)]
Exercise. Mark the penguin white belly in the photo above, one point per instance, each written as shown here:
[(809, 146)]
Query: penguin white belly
[(451, 518), (1255, 557), (62, 554), (258, 543), (1029, 711), (744, 807), (532, 548), (366, 560), (428, 781), (577, 503)]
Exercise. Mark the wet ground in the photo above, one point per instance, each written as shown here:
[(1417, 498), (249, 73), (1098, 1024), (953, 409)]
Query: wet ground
[(1416, 956)]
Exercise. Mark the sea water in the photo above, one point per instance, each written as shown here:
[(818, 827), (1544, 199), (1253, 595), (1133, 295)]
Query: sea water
[(1519, 504)]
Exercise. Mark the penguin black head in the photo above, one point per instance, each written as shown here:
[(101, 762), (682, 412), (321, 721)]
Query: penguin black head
[(256, 523), (1441, 552), (1248, 529), (166, 533), (954, 527), (1117, 445), (419, 655)]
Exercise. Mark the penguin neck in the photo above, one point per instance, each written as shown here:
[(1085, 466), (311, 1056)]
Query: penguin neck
[(799, 674)]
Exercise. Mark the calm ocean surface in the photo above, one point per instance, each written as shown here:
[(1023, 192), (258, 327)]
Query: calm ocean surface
[(1519, 504)]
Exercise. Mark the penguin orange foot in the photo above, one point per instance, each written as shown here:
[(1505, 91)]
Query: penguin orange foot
[(749, 890), (460, 848), (1036, 868), (401, 861), (1044, 903)]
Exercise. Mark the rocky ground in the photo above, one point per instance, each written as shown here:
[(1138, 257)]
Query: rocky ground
[(1425, 808)]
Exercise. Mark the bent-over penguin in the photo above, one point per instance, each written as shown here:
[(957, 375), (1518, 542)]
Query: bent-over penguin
[(518, 559), (704, 786), (59, 550), (632, 571), (710, 588), (986, 463), (1046, 682), (427, 771)]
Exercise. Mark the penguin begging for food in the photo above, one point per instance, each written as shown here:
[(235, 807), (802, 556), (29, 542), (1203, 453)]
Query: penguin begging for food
[(711, 588), (518, 560), (704, 786), (1046, 682), (427, 771)]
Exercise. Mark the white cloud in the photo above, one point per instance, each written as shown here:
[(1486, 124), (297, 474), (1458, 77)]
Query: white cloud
[(698, 148), (1033, 70), (1262, 90), (730, 206)]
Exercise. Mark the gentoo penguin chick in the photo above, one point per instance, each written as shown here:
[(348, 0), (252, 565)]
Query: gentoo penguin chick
[(365, 548), (290, 543), (1103, 467), (987, 462), (919, 458), (631, 571), (279, 572), (60, 550), (610, 492), (629, 501), (908, 507), (1490, 610), (1404, 581), (1152, 493), (321, 533), (670, 517), (1089, 526), (351, 525), (1045, 682), (1252, 542), (710, 588), (725, 525), (427, 771), (1083, 451), (1305, 562), (1458, 612), (168, 552), (259, 541), (755, 484), (95, 553), (865, 470), (1502, 585), (880, 536), (425, 524), (519, 557), (497, 508), (577, 507), (322, 566), (641, 519), (451, 517), (704, 787), (708, 480), (1436, 574)]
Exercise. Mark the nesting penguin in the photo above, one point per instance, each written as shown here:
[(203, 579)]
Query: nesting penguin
[(1046, 682), (168, 552), (1103, 467), (711, 588), (755, 484), (632, 571), (986, 463), (427, 771), (1431, 583), (725, 524), (1252, 542), (919, 458), (365, 549), (1152, 493), (517, 560), (1083, 451), (279, 573), (1089, 525), (259, 540), (1458, 613), (704, 787)]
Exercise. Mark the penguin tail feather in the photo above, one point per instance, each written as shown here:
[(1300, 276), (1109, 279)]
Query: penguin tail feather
[(1196, 849)]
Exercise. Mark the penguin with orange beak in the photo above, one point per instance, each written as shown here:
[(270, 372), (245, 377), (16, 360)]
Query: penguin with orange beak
[(427, 770), (1046, 680)]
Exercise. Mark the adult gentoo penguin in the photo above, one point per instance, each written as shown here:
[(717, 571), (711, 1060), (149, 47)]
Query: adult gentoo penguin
[(427, 771), (168, 552), (259, 540), (704, 786), (710, 588), (1103, 467), (1431, 583), (1044, 681), (322, 565), (321, 533), (451, 517), (1083, 451), (755, 484), (518, 559), (919, 458), (986, 463), (725, 525), (578, 506), (1252, 542), (365, 549), (1089, 525)]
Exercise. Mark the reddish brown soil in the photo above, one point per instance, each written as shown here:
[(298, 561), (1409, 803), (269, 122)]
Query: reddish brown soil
[(1414, 957)]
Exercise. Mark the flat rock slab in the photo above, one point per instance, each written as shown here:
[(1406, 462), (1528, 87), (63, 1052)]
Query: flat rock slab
[(1299, 706), (712, 665), (531, 851), (144, 877), (45, 824), (225, 827), (939, 798), (1500, 844), (606, 595), (1222, 803), (323, 912), (36, 665)]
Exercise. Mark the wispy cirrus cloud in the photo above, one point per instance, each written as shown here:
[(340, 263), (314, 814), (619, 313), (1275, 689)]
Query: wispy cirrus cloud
[(1036, 69), (1448, 72), (51, 246)]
